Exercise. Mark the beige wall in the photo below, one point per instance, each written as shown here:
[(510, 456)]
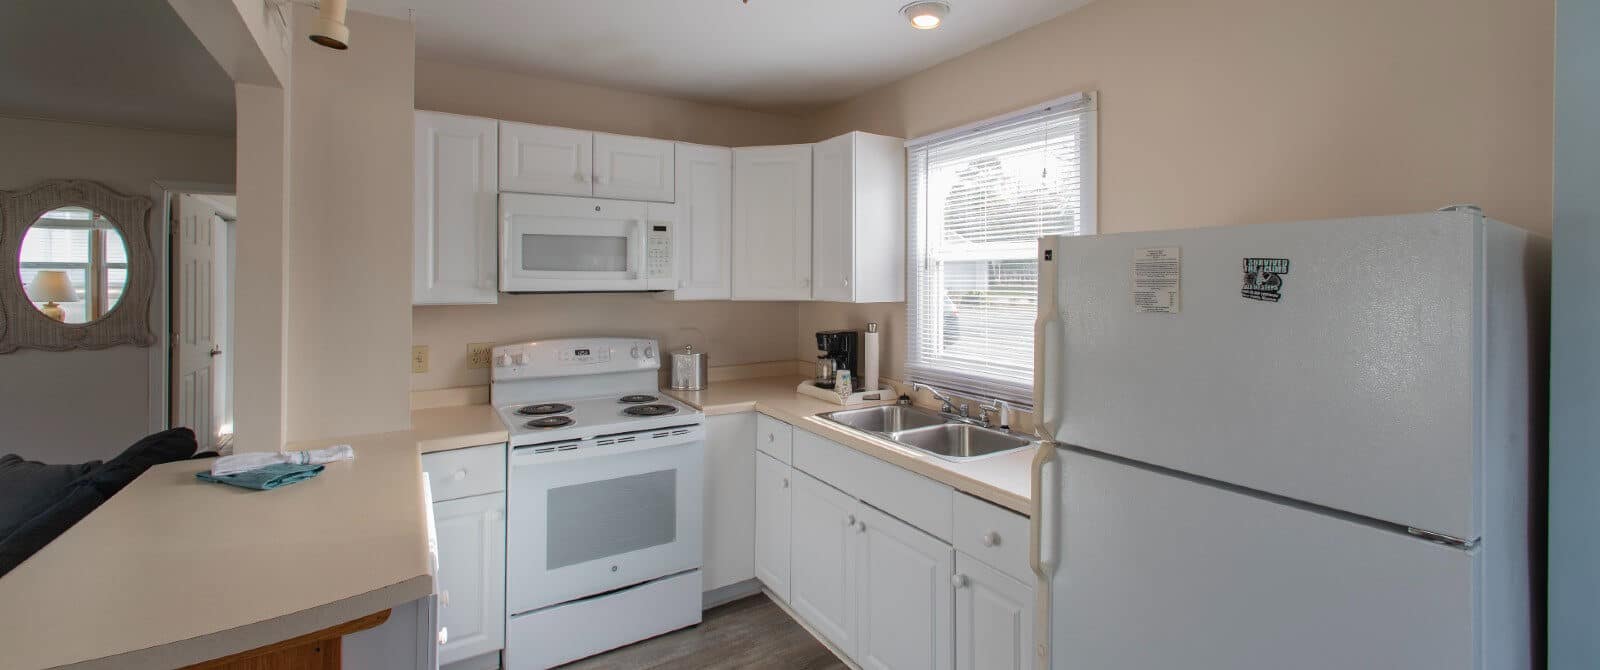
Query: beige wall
[(732, 332), (80, 405), (349, 240), (444, 87), (1247, 111), (260, 331)]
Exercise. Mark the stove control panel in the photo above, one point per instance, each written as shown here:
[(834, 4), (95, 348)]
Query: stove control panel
[(575, 356)]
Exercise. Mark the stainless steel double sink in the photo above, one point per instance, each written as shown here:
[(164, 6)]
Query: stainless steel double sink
[(928, 431)]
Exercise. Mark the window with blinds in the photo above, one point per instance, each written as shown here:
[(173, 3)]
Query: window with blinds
[(980, 199)]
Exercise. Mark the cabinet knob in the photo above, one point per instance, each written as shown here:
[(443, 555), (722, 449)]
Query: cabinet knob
[(771, 438), (850, 520), (459, 475), (444, 636), (990, 539), (444, 598), (958, 580), (785, 482), (861, 527), (846, 281)]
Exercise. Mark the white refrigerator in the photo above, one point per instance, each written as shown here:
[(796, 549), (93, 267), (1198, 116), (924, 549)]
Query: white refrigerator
[(1295, 446)]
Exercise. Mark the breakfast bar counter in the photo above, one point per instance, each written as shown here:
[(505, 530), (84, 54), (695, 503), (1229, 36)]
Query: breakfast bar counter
[(172, 571)]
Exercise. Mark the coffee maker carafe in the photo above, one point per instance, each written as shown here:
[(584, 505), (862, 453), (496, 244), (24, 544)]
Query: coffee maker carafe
[(837, 350)]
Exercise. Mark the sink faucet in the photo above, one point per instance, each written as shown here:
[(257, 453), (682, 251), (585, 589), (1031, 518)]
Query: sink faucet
[(947, 405)]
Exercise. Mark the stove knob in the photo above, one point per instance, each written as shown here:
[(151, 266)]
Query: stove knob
[(520, 359), (634, 353), (500, 360), (649, 352)]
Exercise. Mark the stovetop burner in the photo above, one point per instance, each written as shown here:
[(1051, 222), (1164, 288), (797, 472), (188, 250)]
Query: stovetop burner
[(650, 410), (544, 409), (636, 399), (550, 421)]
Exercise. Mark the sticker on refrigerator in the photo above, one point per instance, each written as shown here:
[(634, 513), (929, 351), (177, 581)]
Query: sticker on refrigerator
[(1158, 280), (1263, 278)]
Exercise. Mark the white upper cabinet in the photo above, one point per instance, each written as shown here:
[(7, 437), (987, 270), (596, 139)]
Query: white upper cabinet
[(453, 210), (633, 168), (772, 223), (703, 243), (859, 219), (545, 159)]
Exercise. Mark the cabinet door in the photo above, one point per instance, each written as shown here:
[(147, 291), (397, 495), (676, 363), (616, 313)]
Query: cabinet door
[(730, 500), (772, 524), (833, 249), (544, 159), (633, 168), (772, 223), (453, 210), (903, 595), (472, 575), (823, 570), (705, 232), (994, 618)]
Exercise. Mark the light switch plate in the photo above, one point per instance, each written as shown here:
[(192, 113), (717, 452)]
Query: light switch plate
[(478, 355), (419, 359)]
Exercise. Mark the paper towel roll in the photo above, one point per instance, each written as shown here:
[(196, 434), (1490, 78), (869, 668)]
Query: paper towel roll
[(869, 359)]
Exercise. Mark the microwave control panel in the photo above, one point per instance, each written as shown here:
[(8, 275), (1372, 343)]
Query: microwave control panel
[(658, 252)]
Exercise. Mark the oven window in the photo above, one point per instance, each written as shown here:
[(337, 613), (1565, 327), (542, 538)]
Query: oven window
[(611, 517), (574, 253)]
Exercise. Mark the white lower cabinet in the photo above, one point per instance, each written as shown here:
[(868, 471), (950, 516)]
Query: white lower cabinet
[(823, 569), (903, 599), (888, 594), (472, 575), (994, 618), (730, 494), (773, 496)]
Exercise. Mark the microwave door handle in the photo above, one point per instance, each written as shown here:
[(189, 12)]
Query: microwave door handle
[(641, 246)]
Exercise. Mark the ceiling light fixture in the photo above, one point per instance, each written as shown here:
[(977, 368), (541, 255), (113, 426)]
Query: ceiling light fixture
[(926, 15), (329, 29)]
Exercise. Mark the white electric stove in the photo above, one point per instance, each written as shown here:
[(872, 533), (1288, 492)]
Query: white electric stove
[(604, 486)]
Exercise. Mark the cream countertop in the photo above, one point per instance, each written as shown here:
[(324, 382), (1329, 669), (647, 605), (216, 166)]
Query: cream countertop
[(1002, 479), (447, 428), (173, 571)]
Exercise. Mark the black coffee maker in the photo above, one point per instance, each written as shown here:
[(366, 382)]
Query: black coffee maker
[(838, 350)]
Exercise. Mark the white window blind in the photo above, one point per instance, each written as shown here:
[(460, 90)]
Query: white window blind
[(980, 199)]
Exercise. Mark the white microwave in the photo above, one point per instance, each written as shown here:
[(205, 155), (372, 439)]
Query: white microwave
[(551, 244)]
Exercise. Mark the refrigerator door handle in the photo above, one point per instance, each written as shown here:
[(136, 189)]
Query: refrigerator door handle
[(1043, 475), (1047, 343)]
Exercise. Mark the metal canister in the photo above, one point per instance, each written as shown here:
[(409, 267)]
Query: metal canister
[(689, 369)]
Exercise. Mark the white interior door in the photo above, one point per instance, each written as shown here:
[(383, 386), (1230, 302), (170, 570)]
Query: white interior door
[(1156, 572), (194, 318)]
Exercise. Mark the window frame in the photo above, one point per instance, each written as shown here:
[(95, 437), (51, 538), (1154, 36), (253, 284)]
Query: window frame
[(923, 368)]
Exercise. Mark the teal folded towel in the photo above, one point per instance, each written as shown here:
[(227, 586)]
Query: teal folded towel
[(265, 478)]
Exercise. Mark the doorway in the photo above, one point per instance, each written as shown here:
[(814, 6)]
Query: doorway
[(201, 314)]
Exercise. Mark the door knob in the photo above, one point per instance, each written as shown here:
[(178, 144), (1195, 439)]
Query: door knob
[(215, 351), (958, 580)]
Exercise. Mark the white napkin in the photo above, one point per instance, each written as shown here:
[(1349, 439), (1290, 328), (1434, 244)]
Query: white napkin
[(237, 463)]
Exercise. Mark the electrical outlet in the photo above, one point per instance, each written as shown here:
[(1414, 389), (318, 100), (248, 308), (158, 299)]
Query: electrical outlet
[(478, 355), (419, 359)]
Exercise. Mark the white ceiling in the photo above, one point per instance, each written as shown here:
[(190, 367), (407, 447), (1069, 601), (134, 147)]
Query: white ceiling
[(785, 55), (129, 63)]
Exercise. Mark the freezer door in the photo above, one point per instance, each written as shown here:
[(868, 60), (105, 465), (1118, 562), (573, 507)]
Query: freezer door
[(1346, 381), (1157, 573)]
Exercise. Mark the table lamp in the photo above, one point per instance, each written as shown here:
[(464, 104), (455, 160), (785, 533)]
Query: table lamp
[(52, 286)]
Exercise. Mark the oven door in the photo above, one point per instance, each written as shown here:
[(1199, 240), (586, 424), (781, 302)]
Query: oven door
[(590, 519), (550, 243)]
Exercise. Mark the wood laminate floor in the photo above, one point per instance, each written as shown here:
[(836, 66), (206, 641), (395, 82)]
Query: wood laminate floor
[(749, 633)]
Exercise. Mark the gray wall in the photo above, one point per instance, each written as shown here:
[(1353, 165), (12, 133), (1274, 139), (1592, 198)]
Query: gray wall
[(1574, 568)]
